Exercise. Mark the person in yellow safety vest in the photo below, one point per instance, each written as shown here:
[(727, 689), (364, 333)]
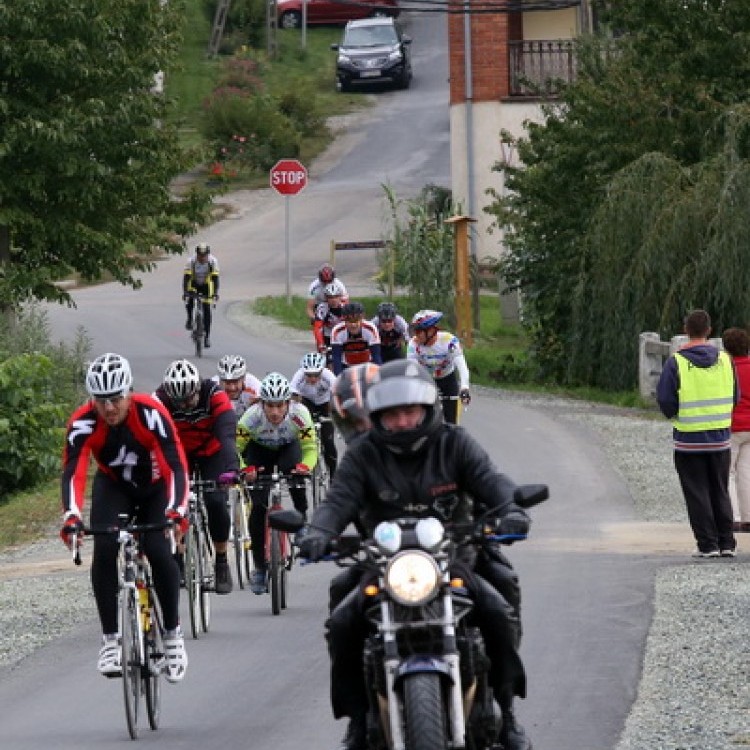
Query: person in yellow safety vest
[(697, 390)]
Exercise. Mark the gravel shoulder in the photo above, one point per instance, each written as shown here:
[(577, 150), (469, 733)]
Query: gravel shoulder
[(693, 693)]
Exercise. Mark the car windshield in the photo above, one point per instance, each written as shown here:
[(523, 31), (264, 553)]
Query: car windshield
[(370, 36)]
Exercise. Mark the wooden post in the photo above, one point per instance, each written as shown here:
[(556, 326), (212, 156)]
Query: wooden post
[(463, 279)]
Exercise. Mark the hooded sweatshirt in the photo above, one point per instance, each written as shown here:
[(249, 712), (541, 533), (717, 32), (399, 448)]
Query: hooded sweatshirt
[(667, 396)]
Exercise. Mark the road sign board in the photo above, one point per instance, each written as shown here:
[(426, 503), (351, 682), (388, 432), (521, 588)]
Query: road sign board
[(288, 177)]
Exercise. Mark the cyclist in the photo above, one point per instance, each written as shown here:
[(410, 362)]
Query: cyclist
[(441, 353), (275, 432), (140, 469), (242, 388), (201, 275), (411, 462), (316, 292), (327, 316), (354, 340), (393, 331), (350, 414), (207, 425), (312, 385)]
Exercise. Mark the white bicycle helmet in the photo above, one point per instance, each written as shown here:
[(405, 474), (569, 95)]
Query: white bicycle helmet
[(313, 363), (181, 380), (203, 248), (232, 367), (275, 387), (109, 376), (334, 289)]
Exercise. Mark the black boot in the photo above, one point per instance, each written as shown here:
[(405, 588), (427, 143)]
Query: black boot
[(513, 735), (356, 734)]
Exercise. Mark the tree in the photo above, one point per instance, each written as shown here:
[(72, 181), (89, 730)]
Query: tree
[(666, 88), (87, 156)]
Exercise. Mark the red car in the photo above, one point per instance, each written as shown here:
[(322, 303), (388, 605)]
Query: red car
[(332, 11)]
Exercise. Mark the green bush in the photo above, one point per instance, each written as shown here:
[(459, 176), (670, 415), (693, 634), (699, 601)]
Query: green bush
[(230, 114), (301, 109), (40, 383)]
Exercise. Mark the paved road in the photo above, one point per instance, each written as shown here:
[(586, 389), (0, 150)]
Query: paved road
[(259, 681)]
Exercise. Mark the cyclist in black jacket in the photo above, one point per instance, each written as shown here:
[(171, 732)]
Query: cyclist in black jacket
[(412, 463)]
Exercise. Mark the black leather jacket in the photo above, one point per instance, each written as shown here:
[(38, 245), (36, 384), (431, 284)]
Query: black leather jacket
[(450, 478)]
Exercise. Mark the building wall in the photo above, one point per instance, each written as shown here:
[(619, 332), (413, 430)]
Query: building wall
[(552, 24)]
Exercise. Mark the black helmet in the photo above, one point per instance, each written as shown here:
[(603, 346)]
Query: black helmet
[(348, 398), (404, 382), (387, 311), (352, 310)]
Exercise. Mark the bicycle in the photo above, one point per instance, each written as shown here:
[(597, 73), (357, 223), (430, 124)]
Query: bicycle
[(141, 623), (198, 330), (240, 505), (199, 555), (279, 554), (319, 478)]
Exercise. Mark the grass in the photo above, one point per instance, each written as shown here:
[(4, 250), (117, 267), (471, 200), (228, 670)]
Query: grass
[(27, 516)]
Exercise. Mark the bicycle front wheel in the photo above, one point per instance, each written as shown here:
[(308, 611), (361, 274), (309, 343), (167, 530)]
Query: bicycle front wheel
[(198, 332), (319, 482), (130, 657), (236, 507), (276, 572), (207, 580), (154, 661), (193, 578)]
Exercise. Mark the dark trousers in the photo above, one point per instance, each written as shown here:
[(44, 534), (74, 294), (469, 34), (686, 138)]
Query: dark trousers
[(204, 291), (346, 631), (264, 459), (109, 499), (704, 478), (327, 434), (210, 467), (448, 388)]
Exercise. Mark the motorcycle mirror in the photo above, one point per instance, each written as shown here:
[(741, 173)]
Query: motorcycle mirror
[(529, 495), (286, 520)]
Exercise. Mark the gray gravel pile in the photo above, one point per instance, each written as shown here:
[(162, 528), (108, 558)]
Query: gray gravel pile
[(694, 692)]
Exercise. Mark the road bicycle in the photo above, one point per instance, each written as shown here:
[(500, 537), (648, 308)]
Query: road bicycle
[(319, 477), (279, 554), (199, 556), (140, 620), (240, 504), (198, 330)]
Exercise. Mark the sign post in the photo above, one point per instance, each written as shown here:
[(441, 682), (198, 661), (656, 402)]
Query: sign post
[(288, 177)]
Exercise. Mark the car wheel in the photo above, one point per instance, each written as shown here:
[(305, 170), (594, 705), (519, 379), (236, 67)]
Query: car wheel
[(292, 19), (343, 86)]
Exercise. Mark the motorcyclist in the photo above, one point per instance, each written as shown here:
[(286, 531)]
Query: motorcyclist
[(413, 463)]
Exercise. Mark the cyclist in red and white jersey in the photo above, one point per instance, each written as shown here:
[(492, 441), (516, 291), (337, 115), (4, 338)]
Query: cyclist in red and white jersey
[(316, 292), (354, 341), (242, 387), (142, 470)]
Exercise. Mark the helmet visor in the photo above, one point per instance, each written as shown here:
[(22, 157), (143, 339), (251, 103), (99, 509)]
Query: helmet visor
[(400, 392)]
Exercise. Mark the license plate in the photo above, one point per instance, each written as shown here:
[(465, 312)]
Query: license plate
[(370, 74)]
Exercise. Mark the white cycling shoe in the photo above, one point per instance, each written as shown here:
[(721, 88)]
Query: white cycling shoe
[(175, 657), (110, 657)]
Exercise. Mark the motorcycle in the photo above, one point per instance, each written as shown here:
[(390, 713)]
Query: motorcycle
[(425, 665)]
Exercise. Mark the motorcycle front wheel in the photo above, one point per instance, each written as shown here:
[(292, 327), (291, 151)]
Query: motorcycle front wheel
[(424, 712)]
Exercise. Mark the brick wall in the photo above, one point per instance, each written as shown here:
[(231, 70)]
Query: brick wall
[(490, 33)]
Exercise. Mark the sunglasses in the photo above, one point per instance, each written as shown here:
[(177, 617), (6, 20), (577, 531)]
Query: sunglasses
[(114, 400)]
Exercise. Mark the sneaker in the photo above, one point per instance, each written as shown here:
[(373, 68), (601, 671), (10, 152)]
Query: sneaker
[(711, 553), (356, 734), (729, 553), (258, 584), (224, 583), (110, 657), (175, 656), (513, 736)]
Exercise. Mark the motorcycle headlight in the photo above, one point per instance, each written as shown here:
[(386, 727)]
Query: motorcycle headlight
[(412, 578)]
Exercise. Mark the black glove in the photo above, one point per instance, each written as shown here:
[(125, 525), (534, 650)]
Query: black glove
[(515, 522), (314, 545)]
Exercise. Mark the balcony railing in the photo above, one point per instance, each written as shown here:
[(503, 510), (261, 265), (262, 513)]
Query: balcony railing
[(537, 68)]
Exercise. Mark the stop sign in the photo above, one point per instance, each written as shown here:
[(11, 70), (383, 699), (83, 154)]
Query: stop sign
[(288, 177)]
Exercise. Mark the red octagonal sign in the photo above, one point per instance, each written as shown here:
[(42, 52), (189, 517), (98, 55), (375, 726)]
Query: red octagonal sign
[(288, 177)]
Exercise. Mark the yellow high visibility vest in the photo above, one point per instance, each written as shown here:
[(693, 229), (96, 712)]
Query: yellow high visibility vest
[(706, 395)]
